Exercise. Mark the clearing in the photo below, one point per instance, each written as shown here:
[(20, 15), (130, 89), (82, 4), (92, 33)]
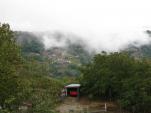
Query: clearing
[(84, 105)]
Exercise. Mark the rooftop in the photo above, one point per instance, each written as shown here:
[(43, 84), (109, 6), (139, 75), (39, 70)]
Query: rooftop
[(72, 85)]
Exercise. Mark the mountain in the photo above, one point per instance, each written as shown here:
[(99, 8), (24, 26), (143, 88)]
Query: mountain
[(62, 54), (143, 51), (63, 59)]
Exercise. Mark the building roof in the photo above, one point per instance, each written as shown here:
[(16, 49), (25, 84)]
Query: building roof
[(72, 85)]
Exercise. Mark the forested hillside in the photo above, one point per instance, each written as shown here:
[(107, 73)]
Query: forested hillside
[(59, 61), (65, 60), (121, 78), (29, 73), (25, 86)]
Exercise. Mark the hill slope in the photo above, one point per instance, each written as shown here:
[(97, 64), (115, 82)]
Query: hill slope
[(143, 51), (62, 54), (60, 60)]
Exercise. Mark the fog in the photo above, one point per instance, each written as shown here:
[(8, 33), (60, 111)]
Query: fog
[(111, 42), (102, 24)]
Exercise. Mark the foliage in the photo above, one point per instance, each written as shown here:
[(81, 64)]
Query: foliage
[(38, 88), (63, 61), (29, 42), (24, 81), (117, 76), (10, 61), (40, 91)]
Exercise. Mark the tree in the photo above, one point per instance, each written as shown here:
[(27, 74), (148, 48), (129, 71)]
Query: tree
[(117, 76), (9, 63)]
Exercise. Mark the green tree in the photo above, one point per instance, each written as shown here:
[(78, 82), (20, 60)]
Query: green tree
[(9, 63), (117, 76)]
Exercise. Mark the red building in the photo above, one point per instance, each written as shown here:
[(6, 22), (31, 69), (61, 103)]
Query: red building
[(73, 90)]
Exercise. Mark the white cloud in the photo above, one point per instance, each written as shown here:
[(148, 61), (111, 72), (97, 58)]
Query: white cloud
[(95, 20)]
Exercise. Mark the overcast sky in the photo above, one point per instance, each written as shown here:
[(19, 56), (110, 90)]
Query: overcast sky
[(104, 20)]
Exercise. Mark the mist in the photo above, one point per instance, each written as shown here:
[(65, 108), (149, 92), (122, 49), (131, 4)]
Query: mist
[(102, 25), (111, 42)]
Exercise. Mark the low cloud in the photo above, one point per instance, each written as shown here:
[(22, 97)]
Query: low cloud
[(110, 42), (100, 24)]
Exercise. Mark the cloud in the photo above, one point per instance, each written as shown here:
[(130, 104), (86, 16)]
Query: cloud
[(109, 42), (103, 24), (119, 40)]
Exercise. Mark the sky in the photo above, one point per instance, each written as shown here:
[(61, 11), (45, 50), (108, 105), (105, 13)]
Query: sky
[(107, 24)]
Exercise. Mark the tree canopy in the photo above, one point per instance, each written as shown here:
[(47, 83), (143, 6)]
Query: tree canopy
[(119, 77), (10, 61), (24, 81)]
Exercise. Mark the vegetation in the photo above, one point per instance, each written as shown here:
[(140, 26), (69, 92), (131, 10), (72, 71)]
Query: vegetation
[(119, 77), (29, 43), (25, 70), (24, 82), (41, 92), (10, 61), (61, 61)]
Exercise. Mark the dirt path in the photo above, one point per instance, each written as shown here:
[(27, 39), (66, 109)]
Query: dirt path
[(71, 104)]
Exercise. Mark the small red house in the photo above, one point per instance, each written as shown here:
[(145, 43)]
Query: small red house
[(73, 90)]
